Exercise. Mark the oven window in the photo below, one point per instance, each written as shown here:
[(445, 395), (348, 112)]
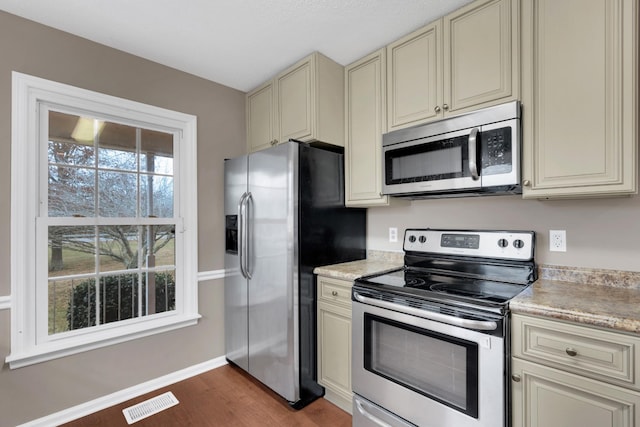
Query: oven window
[(437, 160), (441, 367)]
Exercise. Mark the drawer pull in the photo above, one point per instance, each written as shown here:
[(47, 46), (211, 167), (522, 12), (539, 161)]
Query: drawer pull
[(516, 378), (335, 294), (572, 352)]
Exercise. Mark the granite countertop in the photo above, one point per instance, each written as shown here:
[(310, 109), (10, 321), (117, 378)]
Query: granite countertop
[(604, 298), (376, 262)]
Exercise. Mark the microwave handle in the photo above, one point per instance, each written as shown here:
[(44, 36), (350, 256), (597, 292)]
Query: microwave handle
[(473, 154)]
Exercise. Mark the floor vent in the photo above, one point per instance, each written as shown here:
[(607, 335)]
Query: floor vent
[(149, 407)]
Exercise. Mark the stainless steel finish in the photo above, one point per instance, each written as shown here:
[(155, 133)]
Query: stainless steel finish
[(437, 109), (367, 414), (273, 327), (478, 325), (246, 246), (571, 352), (235, 285), (446, 107), (488, 243), (415, 407), (516, 378), (473, 154), (477, 118)]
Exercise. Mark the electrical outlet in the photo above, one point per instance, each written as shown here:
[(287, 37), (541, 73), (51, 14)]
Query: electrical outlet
[(558, 240), (393, 234)]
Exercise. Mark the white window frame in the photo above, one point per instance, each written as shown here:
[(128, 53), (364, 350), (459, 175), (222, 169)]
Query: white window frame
[(27, 287)]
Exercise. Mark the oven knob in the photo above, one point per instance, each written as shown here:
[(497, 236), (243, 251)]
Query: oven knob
[(503, 243), (412, 238), (518, 244), (422, 239)]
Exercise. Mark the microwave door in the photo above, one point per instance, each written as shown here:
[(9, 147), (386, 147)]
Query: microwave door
[(432, 164)]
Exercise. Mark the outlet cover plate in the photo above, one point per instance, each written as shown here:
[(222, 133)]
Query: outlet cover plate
[(558, 240)]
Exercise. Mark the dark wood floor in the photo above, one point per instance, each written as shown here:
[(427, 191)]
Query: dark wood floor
[(225, 396)]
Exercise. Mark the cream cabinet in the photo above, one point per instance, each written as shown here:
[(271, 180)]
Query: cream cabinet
[(303, 102), (365, 122), (469, 59), (580, 97), (569, 375), (334, 340)]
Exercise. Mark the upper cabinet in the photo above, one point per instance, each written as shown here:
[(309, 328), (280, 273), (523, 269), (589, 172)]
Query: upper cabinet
[(365, 121), (304, 102), (464, 61), (580, 95)]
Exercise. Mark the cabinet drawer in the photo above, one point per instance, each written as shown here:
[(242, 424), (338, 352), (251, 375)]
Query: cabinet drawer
[(334, 290), (589, 352)]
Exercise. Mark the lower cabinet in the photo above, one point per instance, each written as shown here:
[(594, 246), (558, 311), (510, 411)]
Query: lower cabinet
[(566, 374), (334, 340), (547, 397)]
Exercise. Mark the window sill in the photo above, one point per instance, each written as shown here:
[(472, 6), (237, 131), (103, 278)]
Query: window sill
[(54, 350)]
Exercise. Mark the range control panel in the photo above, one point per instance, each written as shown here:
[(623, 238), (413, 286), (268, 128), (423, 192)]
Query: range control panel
[(515, 245)]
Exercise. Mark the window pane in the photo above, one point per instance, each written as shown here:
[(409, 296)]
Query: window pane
[(118, 247), (118, 297), (71, 251), (117, 147), (164, 297), (71, 139), (158, 245), (156, 152), (81, 308), (71, 191), (117, 194), (156, 196)]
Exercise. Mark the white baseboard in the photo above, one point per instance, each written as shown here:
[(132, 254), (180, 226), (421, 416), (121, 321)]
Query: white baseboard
[(112, 399)]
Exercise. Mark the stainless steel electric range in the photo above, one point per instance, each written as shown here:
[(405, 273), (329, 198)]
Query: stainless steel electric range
[(431, 340)]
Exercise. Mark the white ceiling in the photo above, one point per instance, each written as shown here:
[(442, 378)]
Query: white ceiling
[(238, 43)]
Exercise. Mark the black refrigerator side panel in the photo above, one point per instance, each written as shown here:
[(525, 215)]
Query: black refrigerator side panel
[(330, 233)]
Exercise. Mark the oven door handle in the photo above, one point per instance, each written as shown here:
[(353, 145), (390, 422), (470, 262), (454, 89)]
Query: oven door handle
[(480, 325), (377, 421)]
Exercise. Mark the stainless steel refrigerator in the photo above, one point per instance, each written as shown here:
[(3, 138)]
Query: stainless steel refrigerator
[(285, 215)]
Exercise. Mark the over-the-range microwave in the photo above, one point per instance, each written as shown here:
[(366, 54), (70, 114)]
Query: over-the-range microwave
[(471, 154)]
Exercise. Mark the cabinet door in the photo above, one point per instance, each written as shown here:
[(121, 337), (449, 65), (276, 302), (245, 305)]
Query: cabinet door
[(480, 55), (414, 75), (260, 118), (295, 100), (365, 122), (334, 346), (546, 397), (579, 97)]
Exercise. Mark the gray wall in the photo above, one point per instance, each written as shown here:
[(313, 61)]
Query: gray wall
[(38, 390), (601, 233)]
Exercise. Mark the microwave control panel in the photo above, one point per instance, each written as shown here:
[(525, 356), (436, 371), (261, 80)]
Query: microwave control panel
[(496, 151)]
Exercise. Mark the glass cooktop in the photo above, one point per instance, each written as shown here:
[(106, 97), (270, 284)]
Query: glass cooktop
[(418, 283)]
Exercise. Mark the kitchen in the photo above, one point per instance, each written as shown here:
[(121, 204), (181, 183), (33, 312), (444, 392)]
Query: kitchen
[(601, 233)]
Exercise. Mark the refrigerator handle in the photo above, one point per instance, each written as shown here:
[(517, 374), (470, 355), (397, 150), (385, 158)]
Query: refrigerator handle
[(247, 235), (241, 233)]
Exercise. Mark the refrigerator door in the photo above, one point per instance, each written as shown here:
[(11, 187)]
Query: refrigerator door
[(235, 285), (273, 266)]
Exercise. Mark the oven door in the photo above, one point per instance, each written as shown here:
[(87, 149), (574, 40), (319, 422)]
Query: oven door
[(429, 373)]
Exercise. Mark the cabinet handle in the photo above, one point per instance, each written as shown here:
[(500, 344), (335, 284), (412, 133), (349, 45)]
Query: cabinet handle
[(334, 293), (572, 352), (274, 142), (437, 109), (446, 107), (516, 378), (526, 183)]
